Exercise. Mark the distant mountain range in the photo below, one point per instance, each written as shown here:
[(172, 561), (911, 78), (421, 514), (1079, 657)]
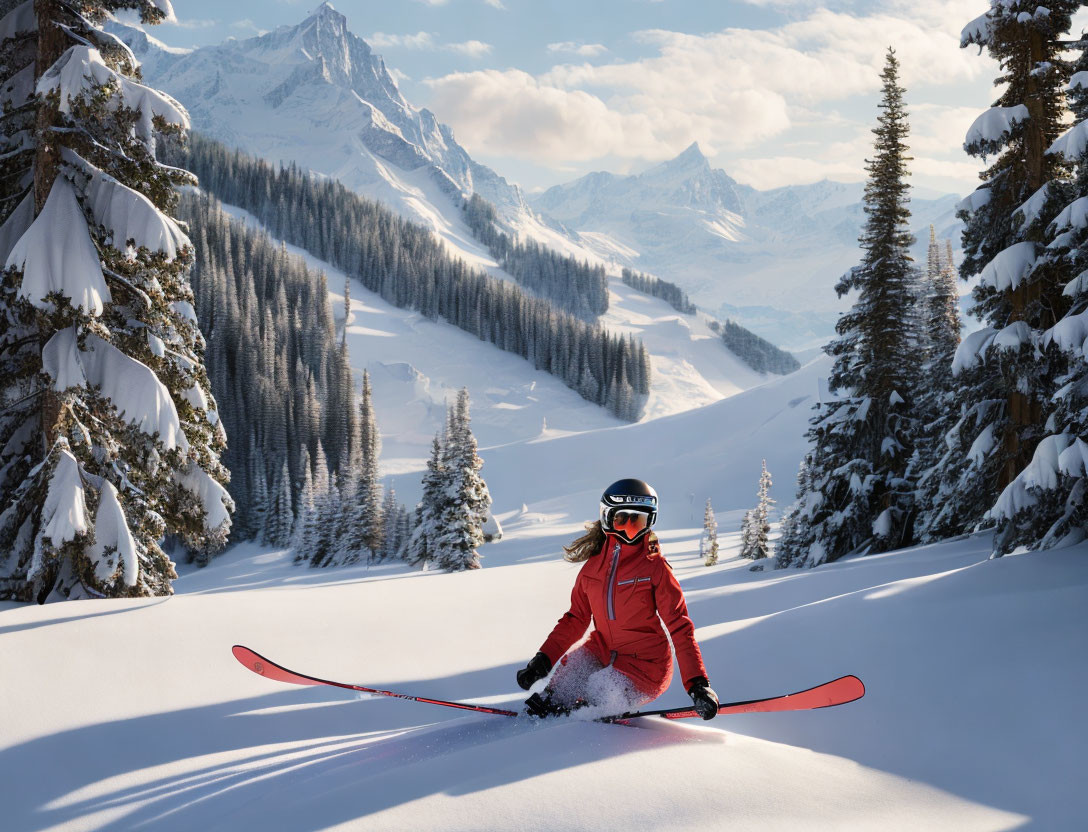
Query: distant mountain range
[(768, 259), (317, 95)]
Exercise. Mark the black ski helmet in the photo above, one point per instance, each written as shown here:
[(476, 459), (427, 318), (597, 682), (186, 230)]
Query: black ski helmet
[(628, 495)]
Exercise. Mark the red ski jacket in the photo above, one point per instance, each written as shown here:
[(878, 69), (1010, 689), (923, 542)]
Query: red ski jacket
[(623, 589)]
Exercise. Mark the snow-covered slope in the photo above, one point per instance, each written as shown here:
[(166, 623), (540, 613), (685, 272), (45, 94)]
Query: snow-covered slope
[(133, 714), (417, 365), (768, 259)]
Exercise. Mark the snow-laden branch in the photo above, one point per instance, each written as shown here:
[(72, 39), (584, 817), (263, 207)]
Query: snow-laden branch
[(15, 225), (18, 89), (57, 254), (1073, 215), (1034, 204), (131, 386), (111, 532), (1009, 267), (81, 69), (969, 352), (1077, 286), (1055, 455), (19, 21), (212, 495), (1070, 333), (166, 8), (1072, 143), (994, 126), (64, 515), (126, 213), (978, 198), (977, 32), (1012, 337)]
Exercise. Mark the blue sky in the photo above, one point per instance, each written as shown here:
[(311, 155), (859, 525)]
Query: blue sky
[(775, 91)]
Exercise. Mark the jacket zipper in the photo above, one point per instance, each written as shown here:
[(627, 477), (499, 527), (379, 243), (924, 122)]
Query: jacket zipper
[(612, 581)]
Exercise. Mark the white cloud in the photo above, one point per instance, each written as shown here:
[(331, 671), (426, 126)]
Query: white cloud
[(472, 48), (420, 40), (588, 50), (512, 113), (425, 40), (248, 26), (730, 90), (194, 24), (495, 4)]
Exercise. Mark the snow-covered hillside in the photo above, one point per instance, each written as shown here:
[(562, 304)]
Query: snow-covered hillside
[(133, 714), (417, 365), (767, 259), (317, 95)]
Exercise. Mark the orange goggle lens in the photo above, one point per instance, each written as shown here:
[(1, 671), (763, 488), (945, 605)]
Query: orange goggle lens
[(632, 521)]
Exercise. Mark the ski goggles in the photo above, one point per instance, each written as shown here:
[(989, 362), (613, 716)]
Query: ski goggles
[(631, 522)]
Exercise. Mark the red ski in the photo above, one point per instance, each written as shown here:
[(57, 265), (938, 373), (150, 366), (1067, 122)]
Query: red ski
[(838, 692)]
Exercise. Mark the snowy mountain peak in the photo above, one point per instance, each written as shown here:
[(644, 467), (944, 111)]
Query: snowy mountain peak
[(315, 93)]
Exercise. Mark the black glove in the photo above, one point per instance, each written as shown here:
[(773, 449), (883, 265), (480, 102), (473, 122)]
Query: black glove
[(537, 668), (704, 697)]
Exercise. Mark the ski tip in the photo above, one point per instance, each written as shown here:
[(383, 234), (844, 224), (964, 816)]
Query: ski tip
[(249, 659), (859, 685)]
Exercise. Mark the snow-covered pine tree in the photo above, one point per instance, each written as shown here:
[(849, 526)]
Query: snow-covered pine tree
[(938, 411), (708, 544), (390, 527), (1045, 505), (327, 516), (862, 439), (110, 436), (420, 547), (304, 540), (1005, 374), (748, 534), (280, 521), (761, 523), (795, 533), (369, 497), (467, 500)]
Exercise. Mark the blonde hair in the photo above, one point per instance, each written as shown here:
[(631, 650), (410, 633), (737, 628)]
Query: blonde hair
[(592, 542)]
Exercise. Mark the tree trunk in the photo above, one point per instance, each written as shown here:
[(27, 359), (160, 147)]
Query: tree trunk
[(1025, 412), (52, 42)]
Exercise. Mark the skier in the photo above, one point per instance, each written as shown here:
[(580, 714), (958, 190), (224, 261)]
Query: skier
[(623, 586)]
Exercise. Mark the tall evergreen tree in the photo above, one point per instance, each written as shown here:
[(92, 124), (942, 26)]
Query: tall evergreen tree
[(421, 546), (465, 510), (708, 543), (795, 531), (761, 521), (369, 497), (1047, 504), (748, 534), (862, 439), (110, 436), (1005, 373), (938, 411), (280, 521)]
